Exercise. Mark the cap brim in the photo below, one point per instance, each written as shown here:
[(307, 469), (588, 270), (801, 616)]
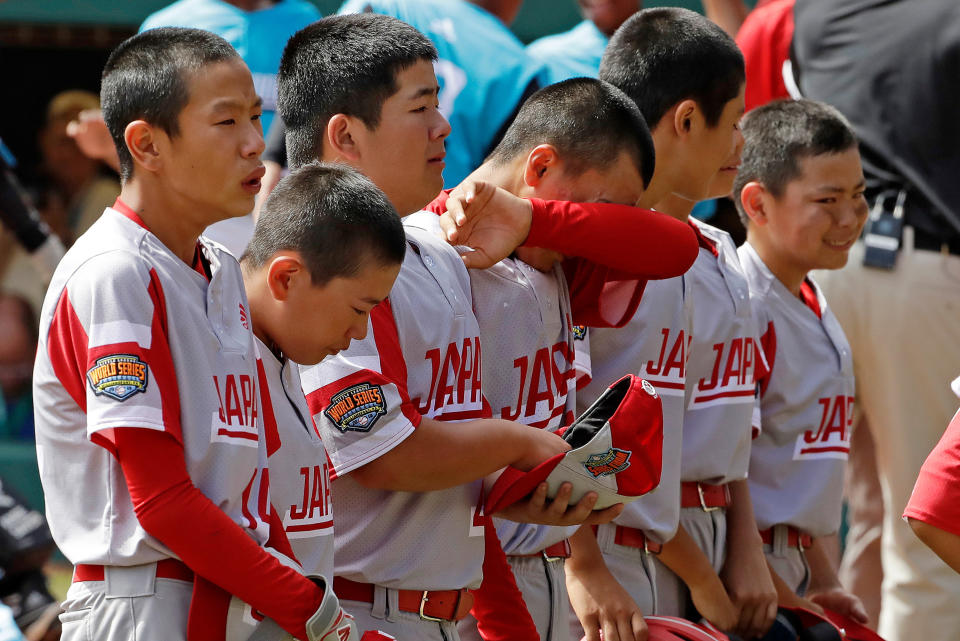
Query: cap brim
[(514, 485)]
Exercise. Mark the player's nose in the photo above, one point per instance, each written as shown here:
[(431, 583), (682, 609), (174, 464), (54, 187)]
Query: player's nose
[(440, 127), (253, 143)]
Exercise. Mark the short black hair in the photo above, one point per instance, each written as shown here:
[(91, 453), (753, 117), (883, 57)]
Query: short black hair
[(146, 78), (589, 121), (334, 217), (342, 64), (662, 56), (779, 135)]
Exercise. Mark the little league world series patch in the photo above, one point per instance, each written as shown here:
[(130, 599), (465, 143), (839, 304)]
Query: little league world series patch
[(356, 408), (613, 461), (118, 376)]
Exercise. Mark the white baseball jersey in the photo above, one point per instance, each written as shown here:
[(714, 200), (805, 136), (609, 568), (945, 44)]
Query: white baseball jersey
[(132, 337), (806, 407), (721, 385), (421, 357), (528, 375), (654, 344), (299, 476)]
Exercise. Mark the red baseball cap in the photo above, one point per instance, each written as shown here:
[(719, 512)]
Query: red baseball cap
[(616, 451)]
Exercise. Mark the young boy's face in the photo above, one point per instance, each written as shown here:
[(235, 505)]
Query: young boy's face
[(820, 214), (711, 149), (620, 182), (404, 154), (722, 183), (320, 320), (213, 163)]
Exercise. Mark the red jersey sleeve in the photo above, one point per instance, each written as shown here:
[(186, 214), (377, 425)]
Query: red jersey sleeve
[(937, 492), (213, 546)]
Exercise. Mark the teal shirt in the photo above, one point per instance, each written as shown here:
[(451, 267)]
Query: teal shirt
[(258, 36), (571, 54)]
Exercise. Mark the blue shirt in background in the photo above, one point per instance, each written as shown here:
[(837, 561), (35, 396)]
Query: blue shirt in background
[(258, 36), (571, 54), (483, 70)]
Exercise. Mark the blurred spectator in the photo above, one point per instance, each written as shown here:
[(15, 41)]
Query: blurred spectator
[(764, 38), (18, 346), (81, 190), (484, 71), (578, 52), (8, 627), (891, 67)]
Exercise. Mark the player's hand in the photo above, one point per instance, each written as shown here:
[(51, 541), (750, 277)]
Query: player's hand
[(538, 509), (713, 603), (491, 221), (540, 445), (749, 585), (604, 608), (93, 138), (842, 602)]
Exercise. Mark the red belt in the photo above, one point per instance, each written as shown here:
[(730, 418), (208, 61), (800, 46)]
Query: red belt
[(795, 538), (166, 569), (705, 496), (635, 538), (554, 552), (431, 605)]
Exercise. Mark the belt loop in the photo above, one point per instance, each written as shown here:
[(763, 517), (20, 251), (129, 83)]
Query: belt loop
[(781, 535), (129, 581), (385, 603)]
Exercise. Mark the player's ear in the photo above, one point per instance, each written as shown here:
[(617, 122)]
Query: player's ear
[(141, 139), (685, 117), (541, 161), (341, 139), (285, 273), (756, 202)]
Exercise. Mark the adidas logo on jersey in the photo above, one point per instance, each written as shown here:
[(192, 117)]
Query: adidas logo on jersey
[(356, 408)]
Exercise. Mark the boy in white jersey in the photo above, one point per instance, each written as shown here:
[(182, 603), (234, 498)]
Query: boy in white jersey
[(580, 140), (326, 249), (687, 77), (407, 489), (145, 386), (800, 196)]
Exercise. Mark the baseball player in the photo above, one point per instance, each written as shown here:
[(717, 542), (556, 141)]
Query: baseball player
[(408, 397), (146, 391), (582, 140), (800, 196), (327, 249), (687, 77), (483, 70)]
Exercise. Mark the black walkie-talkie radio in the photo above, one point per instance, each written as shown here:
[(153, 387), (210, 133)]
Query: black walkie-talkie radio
[(884, 233)]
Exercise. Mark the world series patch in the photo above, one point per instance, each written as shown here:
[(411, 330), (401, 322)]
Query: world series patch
[(356, 408), (118, 376), (612, 461), (579, 332)]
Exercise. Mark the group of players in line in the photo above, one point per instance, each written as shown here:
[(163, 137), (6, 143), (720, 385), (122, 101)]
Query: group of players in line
[(201, 422)]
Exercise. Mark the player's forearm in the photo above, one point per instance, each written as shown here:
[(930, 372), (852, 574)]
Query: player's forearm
[(637, 242), (213, 546), (823, 573), (944, 544), (742, 533), (442, 455), (682, 555)]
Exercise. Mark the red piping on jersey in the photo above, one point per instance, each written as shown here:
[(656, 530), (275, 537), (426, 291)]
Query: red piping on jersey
[(125, 209), (833, 448), (392, 364), (809, 297), (266, 411), (768, 342), (703, 241), (733, 394), (310, 527)]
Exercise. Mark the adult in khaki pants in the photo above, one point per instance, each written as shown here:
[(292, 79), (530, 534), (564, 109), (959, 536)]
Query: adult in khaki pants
[(888, 68)]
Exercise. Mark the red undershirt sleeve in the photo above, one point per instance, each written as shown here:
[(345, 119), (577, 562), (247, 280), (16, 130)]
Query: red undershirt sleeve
[(213, 546), (498, 604), (638, 242)]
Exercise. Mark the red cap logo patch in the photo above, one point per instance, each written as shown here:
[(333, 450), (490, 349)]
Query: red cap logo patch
[(612, 461)]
